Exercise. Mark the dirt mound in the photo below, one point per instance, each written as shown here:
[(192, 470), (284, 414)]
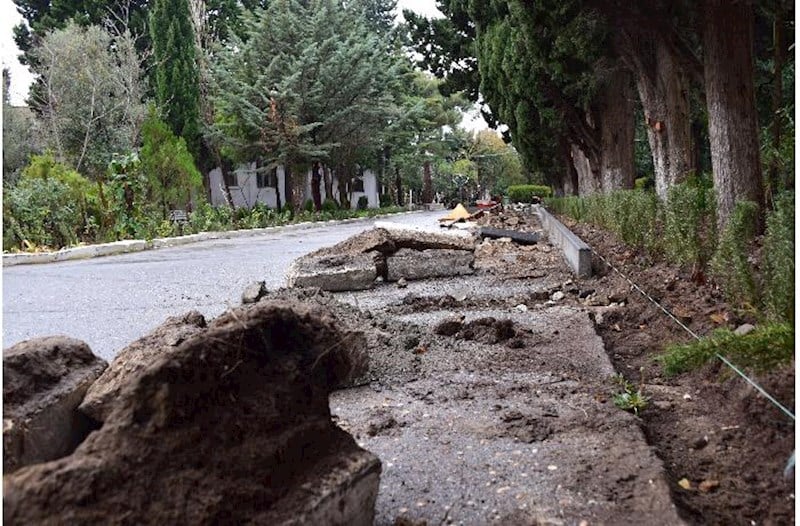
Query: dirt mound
[(137, 357), (233, 425), (483, 330), (44, 380)]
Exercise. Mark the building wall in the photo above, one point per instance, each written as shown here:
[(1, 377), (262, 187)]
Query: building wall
[(246, 193)]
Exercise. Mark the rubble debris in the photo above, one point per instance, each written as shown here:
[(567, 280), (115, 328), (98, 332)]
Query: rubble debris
[(254, 292), (486, 330), (232, 426), (44, 381), (356, 263), (523, 238), (424, 264), (334, 273), (459, 212), (137, 357)]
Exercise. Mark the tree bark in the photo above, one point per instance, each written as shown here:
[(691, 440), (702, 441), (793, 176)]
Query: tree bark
[(398, 183), (328, 181), (427, 183), (588, 182), (344, 200), (569, 182), (316, 178), (615, 116), (730, 97), (663, 91)]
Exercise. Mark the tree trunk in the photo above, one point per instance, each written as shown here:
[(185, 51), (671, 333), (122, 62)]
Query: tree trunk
[(569, 177), (398, 183), (615, 113), (663, 91), (316, 178), (730, 96), (344, 200), (427, 183), (288, 187), (328, 181), (588, 182)]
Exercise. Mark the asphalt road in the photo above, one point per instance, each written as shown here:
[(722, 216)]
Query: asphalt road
[(108, 302)]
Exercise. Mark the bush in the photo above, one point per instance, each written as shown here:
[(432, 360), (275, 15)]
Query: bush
[(525, 193), (761, 350), (779, 253), (363, 203), (308, 206), (690, 223), (330, 205), (40, 213), (385, 200), (50, 205), (634, 216), (730, 265)]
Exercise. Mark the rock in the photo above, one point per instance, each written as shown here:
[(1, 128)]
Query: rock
[(557, 296), (44, 381), (335, 272), (402, 283), (420, 239), (415, 264), (664, 405), (741, 330), (699, 443), (137, 357), (521, 308), (233, 426), (617, 296), (254, 292), (685, 483)]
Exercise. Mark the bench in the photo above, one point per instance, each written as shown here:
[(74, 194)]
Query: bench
[(178, 216)]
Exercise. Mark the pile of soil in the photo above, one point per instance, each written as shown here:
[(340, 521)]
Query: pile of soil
[(708, 426)]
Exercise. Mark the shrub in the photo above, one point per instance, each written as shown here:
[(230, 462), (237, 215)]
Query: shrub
[(385, 200), (690, 223), (330, 205), (763, 349), (51, 205), (40, 212), (525, 193), (363, 203), (308, 206), (730, 265), (779, 260), (633, 215)]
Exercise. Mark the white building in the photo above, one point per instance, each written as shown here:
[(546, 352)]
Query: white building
[(249, 187)]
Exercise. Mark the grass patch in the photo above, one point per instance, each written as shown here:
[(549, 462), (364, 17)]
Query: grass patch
[(761, 350)]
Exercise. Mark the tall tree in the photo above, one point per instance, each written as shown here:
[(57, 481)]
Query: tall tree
[(176, 77), (730, 95), (91, 102)]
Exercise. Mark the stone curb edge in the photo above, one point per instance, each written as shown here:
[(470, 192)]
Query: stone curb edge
[(577, 253), (138, 245)]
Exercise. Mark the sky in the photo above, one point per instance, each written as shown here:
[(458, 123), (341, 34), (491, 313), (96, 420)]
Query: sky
[(21, 77)]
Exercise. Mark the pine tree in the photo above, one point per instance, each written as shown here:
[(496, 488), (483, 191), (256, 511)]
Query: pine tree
[(176, 78)]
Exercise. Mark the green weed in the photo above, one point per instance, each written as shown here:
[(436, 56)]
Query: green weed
[(730, 265)]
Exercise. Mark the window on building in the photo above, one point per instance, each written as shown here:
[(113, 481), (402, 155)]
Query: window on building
[(267, 179), (358, 183), (231, 178)]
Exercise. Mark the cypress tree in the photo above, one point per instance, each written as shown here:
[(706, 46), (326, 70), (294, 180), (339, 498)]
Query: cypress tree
[(176, 78)]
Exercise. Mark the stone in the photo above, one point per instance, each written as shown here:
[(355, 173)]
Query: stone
[(254, 292), (557, 296), (402, 283), (233, 426), (746, 328), (423, 264), (137, 357), (335, 272), (44, 382), (422, 239), (521, 308)]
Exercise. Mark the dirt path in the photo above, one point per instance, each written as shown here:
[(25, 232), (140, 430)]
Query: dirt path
[(502, 414)]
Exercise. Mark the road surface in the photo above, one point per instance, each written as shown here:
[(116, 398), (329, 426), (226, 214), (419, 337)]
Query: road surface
[(108, 302)]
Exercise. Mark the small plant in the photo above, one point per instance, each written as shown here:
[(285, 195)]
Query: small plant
[(761, 350), (730, 265), (630, 398), (779, 260), (690, 223), (330, 205)]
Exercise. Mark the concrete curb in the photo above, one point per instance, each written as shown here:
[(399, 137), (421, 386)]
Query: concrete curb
[(576, 251), (138, 245)]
